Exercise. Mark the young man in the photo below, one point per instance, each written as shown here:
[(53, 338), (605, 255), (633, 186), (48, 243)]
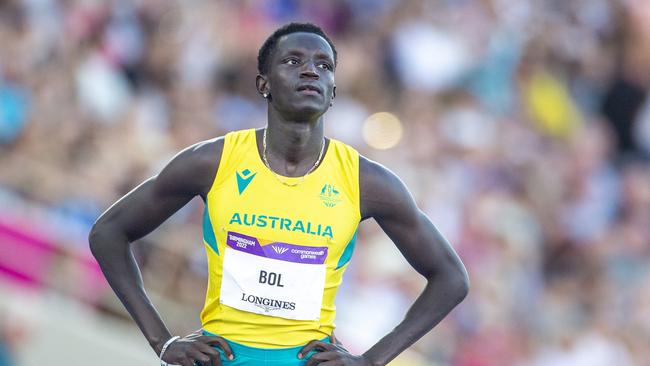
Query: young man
[(282, 208)]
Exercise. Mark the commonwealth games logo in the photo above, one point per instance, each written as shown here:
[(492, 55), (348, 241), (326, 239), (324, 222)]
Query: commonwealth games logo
[(279, 250), (329, 195)]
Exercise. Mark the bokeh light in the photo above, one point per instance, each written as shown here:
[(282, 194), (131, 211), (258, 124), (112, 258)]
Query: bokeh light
[(382, 130)]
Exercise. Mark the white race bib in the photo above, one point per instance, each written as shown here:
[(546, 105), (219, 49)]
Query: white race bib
[(274, 279)]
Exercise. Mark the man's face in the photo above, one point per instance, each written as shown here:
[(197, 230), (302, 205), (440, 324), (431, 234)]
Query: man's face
[(301, 76)]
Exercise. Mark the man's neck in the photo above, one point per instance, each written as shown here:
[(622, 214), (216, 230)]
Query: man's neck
[(292, 147)]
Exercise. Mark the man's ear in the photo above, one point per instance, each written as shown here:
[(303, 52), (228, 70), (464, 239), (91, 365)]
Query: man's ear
[(262, 85), (334, 92)]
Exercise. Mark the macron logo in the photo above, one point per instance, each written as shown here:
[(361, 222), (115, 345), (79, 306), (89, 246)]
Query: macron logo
[(243, 179), (279, 250)]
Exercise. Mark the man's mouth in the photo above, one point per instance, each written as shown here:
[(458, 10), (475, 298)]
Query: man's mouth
[(310, 89)]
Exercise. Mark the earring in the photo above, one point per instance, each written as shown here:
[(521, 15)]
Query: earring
[(265, 95)]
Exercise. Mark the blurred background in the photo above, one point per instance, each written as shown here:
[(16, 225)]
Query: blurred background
[(521, 127)]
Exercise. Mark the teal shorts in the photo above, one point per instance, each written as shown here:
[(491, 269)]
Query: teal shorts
[(251, 356)]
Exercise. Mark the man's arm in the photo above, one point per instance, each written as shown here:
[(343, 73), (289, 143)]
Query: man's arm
[(385, 198), (190, 173)]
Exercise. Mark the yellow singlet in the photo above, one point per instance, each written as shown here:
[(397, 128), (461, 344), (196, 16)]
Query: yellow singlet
[(276, 254)]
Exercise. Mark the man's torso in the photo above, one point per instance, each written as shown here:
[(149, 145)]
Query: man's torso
[(277, 252)]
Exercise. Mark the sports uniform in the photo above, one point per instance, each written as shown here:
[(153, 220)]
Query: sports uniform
[(277, 246)]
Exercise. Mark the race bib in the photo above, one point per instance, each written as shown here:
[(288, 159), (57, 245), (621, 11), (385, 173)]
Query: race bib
[(273, 278)]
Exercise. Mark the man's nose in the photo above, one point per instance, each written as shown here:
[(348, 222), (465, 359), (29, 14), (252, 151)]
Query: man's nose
[(309, 70)]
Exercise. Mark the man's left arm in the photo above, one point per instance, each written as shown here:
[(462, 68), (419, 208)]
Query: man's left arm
[(386, 199)]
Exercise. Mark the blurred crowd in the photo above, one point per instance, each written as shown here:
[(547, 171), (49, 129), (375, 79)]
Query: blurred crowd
[(526, 141)]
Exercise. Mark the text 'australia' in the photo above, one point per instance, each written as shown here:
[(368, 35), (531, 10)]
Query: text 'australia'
[(282, 223)]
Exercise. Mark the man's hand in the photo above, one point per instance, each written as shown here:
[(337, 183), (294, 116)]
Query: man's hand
[(328, 354), (197, 349)]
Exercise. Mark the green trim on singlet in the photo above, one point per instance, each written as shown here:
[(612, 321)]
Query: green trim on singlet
[(347, 252), (252, 356), (208, 232)]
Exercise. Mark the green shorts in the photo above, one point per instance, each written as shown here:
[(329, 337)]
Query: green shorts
[(251, 356)]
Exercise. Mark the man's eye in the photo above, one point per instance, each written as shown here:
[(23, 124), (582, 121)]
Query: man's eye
[(291, 61), (325, 66)]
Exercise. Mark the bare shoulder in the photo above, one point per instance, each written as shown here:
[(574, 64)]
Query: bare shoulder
[(382, 192), (206, 154), (193, 169)]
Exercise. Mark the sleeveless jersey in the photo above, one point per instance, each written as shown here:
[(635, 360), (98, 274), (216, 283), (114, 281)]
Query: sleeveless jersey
[(276, 253)]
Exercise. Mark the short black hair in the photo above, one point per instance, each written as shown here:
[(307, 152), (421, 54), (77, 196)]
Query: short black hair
[(269, 45)]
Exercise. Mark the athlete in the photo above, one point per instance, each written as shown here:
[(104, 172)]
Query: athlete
[(282, 206)]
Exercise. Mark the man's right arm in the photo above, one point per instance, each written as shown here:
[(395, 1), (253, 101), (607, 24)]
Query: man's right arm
[(190, 173)]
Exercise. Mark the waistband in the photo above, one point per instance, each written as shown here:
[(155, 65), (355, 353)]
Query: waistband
[(267, 354)]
